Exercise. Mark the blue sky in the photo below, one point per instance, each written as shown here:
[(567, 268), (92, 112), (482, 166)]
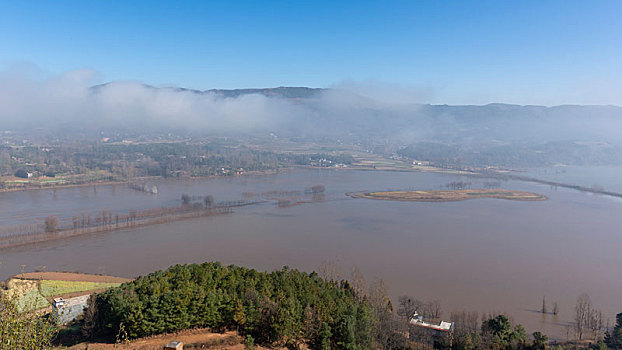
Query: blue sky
[(526, 52)]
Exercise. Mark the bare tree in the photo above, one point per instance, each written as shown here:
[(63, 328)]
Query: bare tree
[(318, 189), (75, 221), (582, 311), (389, 332), (329, 271), (358, 281), (407, 305), (465, 323), (595, 323), (436, 310), (208, 201), (379, 295), (51, 224)]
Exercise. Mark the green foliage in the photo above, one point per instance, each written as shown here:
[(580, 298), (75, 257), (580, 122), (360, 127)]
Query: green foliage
[(26, 331), (284, 307), (53, 287), (540, 341), (613, 339), (21, 173), (600, 345), (30, 300), (502, 336), (249, 342)]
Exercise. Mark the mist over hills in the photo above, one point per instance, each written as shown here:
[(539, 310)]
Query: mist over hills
[(340, 113), (489, 134)]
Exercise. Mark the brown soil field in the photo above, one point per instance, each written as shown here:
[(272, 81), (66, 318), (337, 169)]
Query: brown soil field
[(70, 276), (448, 195), (192, 339)]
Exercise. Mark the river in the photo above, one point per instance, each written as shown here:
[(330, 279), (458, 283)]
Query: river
[(487, 255)]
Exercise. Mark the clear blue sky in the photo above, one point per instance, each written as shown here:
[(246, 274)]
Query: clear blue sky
[(524, 52)]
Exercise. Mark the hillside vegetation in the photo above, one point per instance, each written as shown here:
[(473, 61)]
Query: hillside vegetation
[(284, 307)]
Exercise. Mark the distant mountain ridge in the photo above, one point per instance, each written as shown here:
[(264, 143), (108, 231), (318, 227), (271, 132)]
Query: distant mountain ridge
[(303, 92), (281, 91), (289, 92)]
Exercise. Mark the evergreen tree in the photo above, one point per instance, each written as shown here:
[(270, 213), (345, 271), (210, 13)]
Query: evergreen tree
[(613, 339)]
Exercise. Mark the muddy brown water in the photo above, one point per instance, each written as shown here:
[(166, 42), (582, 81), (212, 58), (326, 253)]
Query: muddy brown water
[(488, 255)]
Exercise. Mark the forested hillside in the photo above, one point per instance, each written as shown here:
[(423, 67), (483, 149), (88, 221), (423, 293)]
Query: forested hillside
[(283, 307)]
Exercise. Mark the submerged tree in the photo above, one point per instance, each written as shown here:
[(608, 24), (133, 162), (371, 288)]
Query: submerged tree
[(51, 224), (208, 201), (581, 311), (185, 199), (587, 318)]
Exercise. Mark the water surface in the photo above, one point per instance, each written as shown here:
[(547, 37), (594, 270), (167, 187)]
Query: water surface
[(488, 255)]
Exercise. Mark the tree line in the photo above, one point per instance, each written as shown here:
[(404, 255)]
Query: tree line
[(151, 159)]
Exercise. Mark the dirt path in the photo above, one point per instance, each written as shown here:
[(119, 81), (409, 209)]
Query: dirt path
[(194, 338)]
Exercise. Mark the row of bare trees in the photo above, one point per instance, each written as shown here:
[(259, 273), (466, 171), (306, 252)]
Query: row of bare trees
[(108, 220), (589, 322)]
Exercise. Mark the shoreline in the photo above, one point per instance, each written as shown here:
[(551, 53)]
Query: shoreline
[(142, 178), (448, 195), (55, 187)]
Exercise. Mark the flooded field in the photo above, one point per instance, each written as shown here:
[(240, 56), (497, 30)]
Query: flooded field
[(482, 254)]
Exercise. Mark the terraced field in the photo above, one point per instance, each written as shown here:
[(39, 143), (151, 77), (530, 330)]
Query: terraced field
[(35, 290)]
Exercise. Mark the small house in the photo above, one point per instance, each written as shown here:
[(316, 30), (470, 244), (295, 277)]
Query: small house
[(67, 310), (174, 345)]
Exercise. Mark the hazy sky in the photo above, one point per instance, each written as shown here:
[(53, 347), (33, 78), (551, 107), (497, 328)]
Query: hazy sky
[(454, 52)]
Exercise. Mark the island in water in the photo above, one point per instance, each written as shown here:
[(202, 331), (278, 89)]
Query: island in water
[(448, 195)]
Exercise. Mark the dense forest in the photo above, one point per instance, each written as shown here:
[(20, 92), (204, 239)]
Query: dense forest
[(284, 307)]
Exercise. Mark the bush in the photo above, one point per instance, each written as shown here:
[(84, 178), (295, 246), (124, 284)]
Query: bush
[(26, 331), (249, 342), (21, 173)]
